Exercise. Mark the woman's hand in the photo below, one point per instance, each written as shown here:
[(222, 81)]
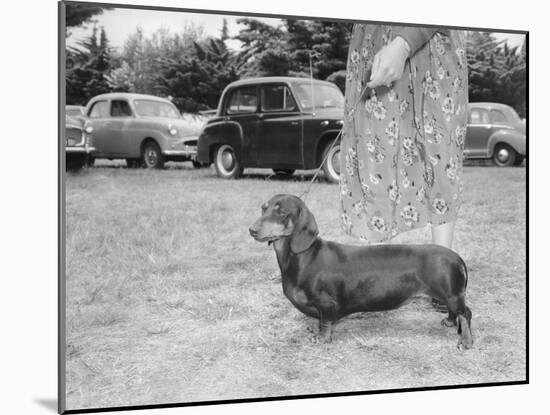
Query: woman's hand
[(389, 63)]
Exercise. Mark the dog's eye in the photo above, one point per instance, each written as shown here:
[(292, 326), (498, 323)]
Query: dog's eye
[(279, 211), (264, 207)]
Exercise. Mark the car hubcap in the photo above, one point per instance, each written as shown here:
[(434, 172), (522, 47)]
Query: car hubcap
[(335, 161), (151, 157), (503, 155), (227, 160)]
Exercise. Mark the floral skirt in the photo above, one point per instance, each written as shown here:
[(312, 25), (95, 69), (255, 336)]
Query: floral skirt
[(402, 145)]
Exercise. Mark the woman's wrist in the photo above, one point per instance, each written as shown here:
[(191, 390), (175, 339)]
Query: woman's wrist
[(403, 43)]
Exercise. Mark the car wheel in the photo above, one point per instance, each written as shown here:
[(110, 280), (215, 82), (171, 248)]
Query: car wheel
[(152, 157), (284, 172), (331, 167), (74, 163), (519, 160), (133, 163), (504, 155), (226, 162)]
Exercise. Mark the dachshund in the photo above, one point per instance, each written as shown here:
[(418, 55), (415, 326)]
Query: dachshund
[(328, 280)]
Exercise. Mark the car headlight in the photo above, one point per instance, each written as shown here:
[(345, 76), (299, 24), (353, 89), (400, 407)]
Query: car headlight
[(172, 130), (88, 129)]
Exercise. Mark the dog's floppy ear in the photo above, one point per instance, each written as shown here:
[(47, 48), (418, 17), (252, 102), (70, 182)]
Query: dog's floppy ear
[(305, 231)]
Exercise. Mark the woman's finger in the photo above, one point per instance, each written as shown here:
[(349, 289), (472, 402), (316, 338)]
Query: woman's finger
[(380, 78)]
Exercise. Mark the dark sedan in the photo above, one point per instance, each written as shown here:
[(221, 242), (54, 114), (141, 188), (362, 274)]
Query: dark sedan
[(281, 123)]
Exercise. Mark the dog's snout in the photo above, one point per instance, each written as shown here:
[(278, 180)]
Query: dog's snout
[(253, 231)]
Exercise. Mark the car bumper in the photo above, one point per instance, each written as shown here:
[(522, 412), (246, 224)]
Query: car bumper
[(79, 150), (187, 151)]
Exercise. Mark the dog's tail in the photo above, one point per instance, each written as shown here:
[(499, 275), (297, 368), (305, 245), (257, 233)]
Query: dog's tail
[(464, 272)]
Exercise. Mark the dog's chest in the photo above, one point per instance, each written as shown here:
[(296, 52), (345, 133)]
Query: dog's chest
[(299, 299)]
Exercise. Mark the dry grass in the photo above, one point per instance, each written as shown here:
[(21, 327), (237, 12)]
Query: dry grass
[(170, 300)]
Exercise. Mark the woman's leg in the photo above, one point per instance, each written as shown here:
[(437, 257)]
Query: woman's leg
[(443, 234)]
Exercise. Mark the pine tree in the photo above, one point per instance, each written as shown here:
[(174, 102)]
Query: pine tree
[(87, 67)]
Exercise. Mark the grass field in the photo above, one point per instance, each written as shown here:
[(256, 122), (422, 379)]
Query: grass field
[(170, 300)]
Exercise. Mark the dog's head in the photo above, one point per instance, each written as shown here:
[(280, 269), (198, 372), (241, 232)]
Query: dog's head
[(286, 216)]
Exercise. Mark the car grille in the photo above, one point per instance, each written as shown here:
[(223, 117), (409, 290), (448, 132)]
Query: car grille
[(74, 136)]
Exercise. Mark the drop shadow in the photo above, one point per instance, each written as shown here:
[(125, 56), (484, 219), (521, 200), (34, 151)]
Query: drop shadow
[(48, 403)]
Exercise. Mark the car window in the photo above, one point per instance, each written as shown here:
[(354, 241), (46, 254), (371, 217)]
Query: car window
[(315, 95), (479, 116), (120, 108), (151, 108), (100, 109), (498, 117), (243, 100), (277, 98)]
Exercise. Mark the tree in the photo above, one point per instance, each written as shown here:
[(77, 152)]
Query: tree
[(321, 45), (197, 80), (141, 58), (497, 72), (263, 51), (87, 67), (79, 14)]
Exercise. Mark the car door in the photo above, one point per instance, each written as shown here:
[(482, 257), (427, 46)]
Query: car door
[(478, 132), (279, 140), (242, 108), (98, 117), (119, 127)]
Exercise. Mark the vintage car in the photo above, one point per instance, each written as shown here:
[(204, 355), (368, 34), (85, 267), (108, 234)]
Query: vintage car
[(495, 132), (143, 129), (77, 143), (281, 123), (75, 111)]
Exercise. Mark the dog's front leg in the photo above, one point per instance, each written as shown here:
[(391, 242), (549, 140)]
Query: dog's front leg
[(325, 329)]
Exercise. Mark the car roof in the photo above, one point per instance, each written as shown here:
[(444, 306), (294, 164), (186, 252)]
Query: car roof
[(128, 95), (488, 105), (269, 79)]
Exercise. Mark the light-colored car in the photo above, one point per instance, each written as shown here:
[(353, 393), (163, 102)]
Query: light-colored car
[(77, 143), (495, 131), (142, 129)]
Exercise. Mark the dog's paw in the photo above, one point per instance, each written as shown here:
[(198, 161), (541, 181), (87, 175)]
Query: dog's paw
[(319, 339), (464, 343), (446, 322), (312, 328)]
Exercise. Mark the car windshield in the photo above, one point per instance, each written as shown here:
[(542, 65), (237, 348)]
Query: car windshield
[(150, 108), (314, 95)]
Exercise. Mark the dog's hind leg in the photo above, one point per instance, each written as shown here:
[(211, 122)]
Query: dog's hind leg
[(463, 318), (452, 305)]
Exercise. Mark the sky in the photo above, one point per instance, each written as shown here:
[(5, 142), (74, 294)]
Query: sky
[(120, 23)]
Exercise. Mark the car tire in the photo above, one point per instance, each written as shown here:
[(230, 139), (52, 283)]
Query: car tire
[(74, 163), (226, 162), (134, 163), (284, 172), (519, 160), (504, 155), (151, 156), (331, 166)]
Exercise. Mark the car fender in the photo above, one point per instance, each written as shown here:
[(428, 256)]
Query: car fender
[(324, 138), (137, 145), (217, 133), (513, 138)]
